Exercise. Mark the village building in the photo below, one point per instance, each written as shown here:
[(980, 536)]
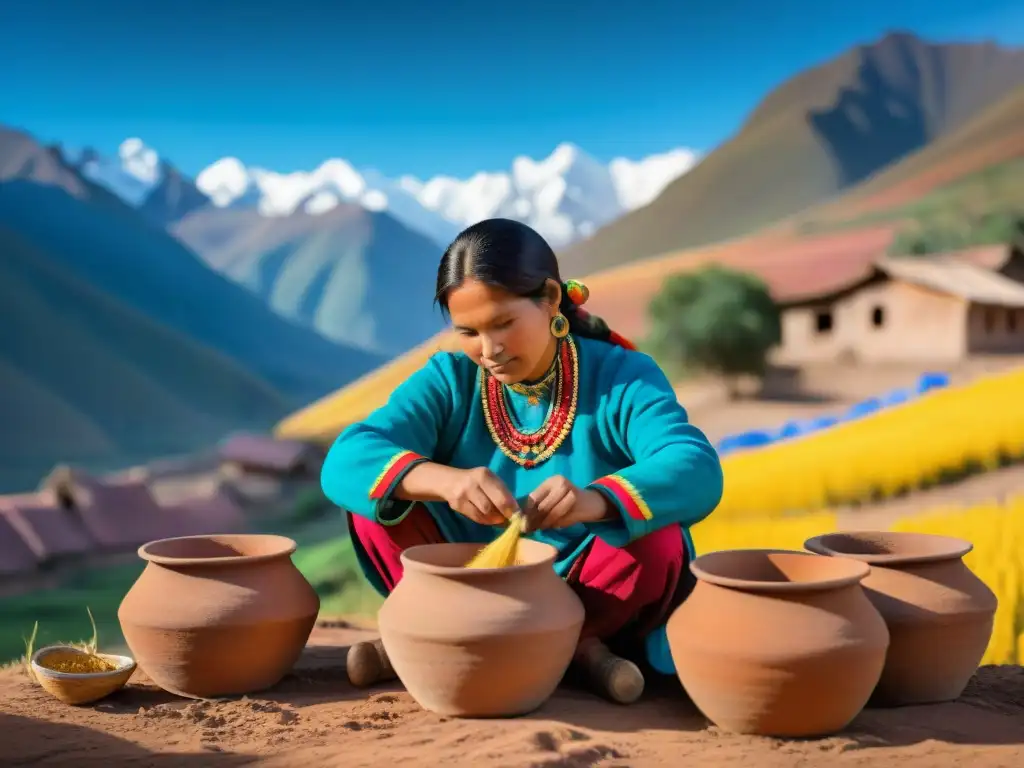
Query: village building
[(74, 514), (213, 512), (122, 514), (934, 309), (49, 530), (266, 455), (15, 555), (266, 474)]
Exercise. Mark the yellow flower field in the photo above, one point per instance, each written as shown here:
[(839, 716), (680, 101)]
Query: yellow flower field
[(997, 531), (943, 434)]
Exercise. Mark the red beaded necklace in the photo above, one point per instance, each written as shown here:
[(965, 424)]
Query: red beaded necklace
[(529, 450)]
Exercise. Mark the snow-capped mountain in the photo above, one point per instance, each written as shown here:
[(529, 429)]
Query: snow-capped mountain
[(229, 183), (132, 175), (566, 196)]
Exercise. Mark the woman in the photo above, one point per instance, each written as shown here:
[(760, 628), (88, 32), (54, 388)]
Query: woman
[(548, 412)]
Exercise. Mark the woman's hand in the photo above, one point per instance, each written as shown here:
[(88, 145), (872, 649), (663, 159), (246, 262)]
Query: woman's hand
[(480, 495), (558, 503)]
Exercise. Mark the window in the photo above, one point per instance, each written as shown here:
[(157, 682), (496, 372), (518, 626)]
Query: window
[(990, 320), (878, 316), (823, 320)]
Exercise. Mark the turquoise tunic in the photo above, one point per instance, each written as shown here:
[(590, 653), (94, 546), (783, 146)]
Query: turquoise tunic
[(631, 440)]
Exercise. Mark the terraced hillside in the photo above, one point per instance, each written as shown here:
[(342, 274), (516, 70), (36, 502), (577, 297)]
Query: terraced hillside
[(820, 133)]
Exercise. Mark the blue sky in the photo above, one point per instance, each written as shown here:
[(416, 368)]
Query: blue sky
[(428, 88)]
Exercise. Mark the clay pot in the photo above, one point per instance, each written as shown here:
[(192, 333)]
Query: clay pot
[(778, 643), (218, 615), (489, 642), (939, 613)]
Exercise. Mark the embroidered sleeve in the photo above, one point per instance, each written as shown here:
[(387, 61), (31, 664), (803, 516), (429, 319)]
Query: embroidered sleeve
[(625, 496), (369, 459), (675, 476), (393, 471), (389, 510)]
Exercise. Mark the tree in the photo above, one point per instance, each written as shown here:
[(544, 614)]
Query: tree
[(714, 319)]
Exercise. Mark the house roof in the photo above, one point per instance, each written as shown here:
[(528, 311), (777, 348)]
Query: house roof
[(957, 277), (48, 529), (118, 515), (216, 513), (826, 280), (264, 451), (796, 278), (15, 554)]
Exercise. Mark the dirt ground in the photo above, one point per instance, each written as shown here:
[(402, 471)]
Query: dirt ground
[(314, 718)]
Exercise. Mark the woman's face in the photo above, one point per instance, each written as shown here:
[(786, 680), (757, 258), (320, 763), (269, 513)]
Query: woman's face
[(505, 334)]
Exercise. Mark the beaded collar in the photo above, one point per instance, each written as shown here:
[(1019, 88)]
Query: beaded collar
[(538, 390), (530, 449)]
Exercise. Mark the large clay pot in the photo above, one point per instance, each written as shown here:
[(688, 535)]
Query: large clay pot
[(218, 615), (778, 643), (491, 642), (939, 613)]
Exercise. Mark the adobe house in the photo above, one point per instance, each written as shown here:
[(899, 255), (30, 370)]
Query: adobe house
[(932, 309)]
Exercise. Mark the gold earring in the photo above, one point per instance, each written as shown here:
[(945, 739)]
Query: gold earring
[(559, 326)]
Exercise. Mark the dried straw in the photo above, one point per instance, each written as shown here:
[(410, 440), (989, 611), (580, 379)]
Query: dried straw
[(504, 550)]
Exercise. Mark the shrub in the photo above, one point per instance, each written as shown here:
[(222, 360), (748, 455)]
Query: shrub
[(716, 320)]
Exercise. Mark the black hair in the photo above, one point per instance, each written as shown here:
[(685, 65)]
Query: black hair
[(510, 255)]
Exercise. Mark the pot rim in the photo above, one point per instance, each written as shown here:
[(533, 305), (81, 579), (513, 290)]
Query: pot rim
[(285, 547), (411, 559), (851, 572), (932, 548)]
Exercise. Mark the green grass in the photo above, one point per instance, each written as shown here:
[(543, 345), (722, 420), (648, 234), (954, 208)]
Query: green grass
[(994, 189), (61, 611), (325, 557), (332, 569)]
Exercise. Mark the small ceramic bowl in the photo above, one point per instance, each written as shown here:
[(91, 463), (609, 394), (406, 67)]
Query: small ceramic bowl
[(80, 687)]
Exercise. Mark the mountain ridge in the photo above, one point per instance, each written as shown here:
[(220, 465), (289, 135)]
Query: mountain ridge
[(101, 238), (358, 278), (90, 380), (778, 251), (565, 195), (811, 137), (789, 253)]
